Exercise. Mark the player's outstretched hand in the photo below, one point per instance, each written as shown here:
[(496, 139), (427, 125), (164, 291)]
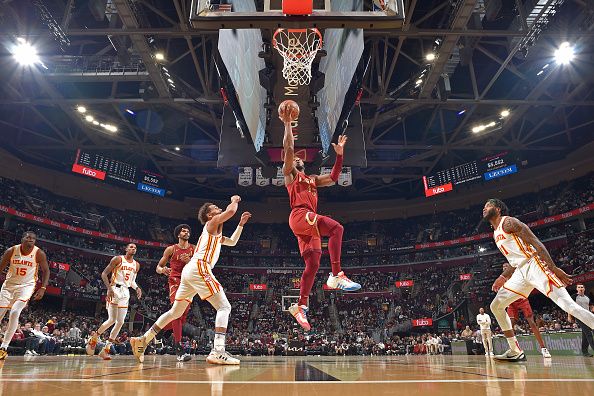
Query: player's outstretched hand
[(236, 199), (39, 294), (339, 148), (166, 270), (139, 293), (245, 216), (498, 284)]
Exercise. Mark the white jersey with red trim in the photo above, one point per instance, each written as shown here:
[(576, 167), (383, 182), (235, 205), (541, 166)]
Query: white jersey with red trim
[(514, 248), (208, 247), (23, 267), (125, 273)]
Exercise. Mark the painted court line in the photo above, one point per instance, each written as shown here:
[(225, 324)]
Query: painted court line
[(419, 381)]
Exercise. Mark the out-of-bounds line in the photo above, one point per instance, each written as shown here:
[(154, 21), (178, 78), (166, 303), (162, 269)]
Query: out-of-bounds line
[(206, 382)]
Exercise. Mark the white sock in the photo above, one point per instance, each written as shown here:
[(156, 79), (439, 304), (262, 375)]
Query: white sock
[(149, 335), (513, 344), (219, 342)]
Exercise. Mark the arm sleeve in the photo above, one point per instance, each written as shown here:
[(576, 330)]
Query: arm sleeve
[(232, 241), (337, 168)]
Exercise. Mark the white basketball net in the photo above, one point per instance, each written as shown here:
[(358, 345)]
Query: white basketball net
[(298, 47)]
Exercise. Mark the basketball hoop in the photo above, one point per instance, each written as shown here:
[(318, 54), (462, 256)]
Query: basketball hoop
[(298, 47)]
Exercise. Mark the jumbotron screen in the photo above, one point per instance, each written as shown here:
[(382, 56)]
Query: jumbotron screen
[(487, 168), (98, 166)]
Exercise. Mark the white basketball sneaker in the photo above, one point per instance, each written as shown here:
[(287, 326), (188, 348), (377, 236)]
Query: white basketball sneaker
[(104, 354), (91, 345), (341, 282), (223, 357), (510, 356), (299, 312), (138, 345), (545, 353)]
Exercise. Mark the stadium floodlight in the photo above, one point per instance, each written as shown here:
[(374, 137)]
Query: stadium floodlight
[(95, 122), (25, 53), (476, 129), (159, 56), (177, 148), (89, 118), (430, 57), (419, 82), (504, 113), (564, 54), (81, 109)]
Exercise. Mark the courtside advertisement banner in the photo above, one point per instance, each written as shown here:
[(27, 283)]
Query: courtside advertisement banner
[(422, 322), (405, 283), (89, 172)]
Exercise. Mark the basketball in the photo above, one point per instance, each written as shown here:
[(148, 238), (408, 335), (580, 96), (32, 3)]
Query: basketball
[(365, 244), (291, 107)]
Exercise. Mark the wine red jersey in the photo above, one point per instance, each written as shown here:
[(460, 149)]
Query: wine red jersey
[(176, 263), (303, 192)]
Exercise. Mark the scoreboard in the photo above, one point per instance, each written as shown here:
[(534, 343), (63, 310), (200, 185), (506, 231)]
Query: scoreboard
[(100, 167), (487, 168)]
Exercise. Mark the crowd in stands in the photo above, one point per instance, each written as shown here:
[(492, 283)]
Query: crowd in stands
[(342, 324)]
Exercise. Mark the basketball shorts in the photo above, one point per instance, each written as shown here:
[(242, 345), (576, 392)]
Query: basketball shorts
[(521, 305), (121, 297), (11, 293), (304, 224), (532, 275), (173, 282), (197, 278)]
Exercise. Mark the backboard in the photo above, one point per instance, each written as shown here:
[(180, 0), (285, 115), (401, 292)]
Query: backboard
[(340, 14)]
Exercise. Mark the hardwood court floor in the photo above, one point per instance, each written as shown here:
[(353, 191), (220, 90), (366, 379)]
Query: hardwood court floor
[(287, 376)]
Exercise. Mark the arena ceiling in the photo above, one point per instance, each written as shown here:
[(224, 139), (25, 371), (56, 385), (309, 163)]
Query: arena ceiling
[(493, 54)]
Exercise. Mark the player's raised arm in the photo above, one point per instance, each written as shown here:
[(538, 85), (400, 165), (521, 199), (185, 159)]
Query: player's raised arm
[(226, 214), (328, 180), (511, 225), (41, 258), (162, 264), (233, 239), (289, 152), (5, 261), (113, 264)]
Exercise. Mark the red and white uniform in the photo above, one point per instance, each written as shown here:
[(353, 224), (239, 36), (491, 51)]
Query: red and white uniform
[(177, 265), (122, 278), (21, 277), (530, 271), (197, 276), (303, 197)]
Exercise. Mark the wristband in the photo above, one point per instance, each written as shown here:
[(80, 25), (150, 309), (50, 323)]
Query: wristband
[(43, 287)]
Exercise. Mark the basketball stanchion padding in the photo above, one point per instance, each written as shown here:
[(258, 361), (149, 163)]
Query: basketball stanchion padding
[(297, 7)]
